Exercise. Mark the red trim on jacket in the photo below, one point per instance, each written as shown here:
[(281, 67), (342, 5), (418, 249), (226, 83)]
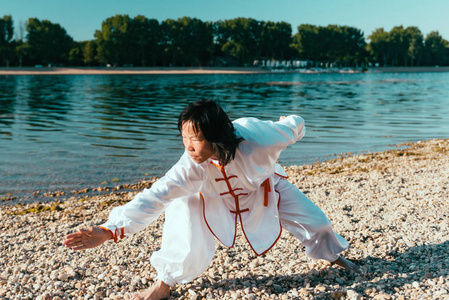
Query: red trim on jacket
[(115, 233), (210, 229), (275, 241), (267, 189), (282, 176)]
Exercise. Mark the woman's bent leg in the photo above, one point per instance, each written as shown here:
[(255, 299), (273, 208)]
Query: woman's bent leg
[(307, 222), (188, 246)]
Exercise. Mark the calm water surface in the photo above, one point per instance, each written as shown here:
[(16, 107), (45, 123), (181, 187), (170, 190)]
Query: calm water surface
[(85, 131)]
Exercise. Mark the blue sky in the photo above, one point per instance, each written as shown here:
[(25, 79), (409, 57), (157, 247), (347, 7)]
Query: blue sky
[(81, 18)]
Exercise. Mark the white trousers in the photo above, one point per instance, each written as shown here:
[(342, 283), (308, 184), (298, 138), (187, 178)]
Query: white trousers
[(188, 246)]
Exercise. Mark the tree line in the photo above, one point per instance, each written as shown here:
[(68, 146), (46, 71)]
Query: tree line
[(139, 41)]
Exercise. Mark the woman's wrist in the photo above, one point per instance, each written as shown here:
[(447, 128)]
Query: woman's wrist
[(107, 232)]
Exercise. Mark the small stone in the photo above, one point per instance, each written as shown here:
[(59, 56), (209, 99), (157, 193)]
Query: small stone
[(353, 295), (382, 296), (337, 295), (3, 292), (278, 288), (63, 277), (192, 292), (320, 288), (252, 297)]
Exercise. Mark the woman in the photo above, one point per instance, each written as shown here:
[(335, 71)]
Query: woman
[(227, 174)]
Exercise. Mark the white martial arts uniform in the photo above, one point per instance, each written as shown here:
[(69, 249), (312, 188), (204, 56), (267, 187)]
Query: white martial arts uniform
[(206, 200)]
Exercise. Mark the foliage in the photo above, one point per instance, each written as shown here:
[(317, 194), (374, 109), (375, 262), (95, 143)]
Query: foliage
[(114, 40), (399, 47), (139, 41), (90, 53), (48, 43), (146, 36), (186, 42), (6, 40), (436, 49), (339, 44)]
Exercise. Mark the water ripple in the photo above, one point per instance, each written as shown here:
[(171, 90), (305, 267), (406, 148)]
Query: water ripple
[(69, 132)]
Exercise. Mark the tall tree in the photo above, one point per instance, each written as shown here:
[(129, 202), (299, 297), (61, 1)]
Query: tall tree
[(274, 40), (146, 37), (399, 45), (114, 40), (90, 53), (342, 44), (6, 40), (238, 39), (48, 43), (187, 41), (436, 49), (76, 54), (379, 46), (415, 44), (307, 42), (352, 46)]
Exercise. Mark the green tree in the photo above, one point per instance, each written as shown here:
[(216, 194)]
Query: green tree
[(342, 44), (307, 42), (353, 47), (22, 50), (48, 43), (76, 54), (6, 40), (415, 44), (238, 39), (274, 40), (379, 46), (114, 40), (90, 53), (436, 49), (399, 45), (145, 39), (187, 41)]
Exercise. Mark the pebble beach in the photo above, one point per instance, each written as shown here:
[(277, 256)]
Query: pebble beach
[(391, 206)]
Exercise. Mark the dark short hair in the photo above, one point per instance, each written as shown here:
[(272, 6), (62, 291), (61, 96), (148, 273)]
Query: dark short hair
[(208, 117)]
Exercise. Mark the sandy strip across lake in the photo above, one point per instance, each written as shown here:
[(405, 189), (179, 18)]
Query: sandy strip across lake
[(127, 71), (392, 207), (180, 71)]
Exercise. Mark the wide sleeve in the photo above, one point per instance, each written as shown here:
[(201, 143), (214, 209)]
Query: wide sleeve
[(263, 143), (183, 179), (268, 133)]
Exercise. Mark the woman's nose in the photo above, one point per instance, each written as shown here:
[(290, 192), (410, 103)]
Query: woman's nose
[(189, 146)]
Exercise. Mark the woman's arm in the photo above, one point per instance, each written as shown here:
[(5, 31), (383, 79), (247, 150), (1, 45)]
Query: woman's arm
[(185, 178)]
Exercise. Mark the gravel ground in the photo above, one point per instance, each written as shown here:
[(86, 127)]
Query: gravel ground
[(392, 206)]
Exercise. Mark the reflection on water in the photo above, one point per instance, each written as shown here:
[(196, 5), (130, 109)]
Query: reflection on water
[(71, 132)]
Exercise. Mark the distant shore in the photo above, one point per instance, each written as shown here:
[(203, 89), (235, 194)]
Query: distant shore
[(181, 70)]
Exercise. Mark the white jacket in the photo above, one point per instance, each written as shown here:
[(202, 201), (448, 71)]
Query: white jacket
[(243, 190)]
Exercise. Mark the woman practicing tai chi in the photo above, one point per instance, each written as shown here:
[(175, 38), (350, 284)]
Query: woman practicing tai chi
[(227, 174)]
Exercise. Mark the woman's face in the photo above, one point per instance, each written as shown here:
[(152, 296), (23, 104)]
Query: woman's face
[(196, 145)]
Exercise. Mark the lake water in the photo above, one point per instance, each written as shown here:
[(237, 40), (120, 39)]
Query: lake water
[(84, 131)]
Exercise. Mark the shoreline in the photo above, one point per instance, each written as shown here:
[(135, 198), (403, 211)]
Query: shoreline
[(391, 206), (185, 70)]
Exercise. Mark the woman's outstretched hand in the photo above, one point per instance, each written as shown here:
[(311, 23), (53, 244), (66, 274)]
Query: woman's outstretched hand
[(87, 238)]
